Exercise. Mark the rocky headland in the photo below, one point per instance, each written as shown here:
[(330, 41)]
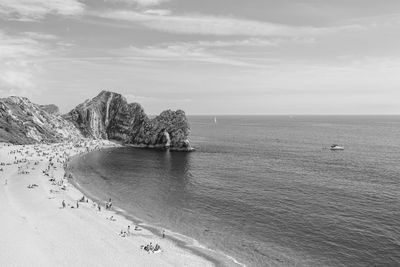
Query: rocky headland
[(106, 116), (23, 122)]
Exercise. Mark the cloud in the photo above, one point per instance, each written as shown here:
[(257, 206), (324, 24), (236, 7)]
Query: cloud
[(40, 36), (210, 25), (378, 21), (29, 10), (238, 52), (159, 12), (178, 52), (19, 47), (150, 99), (255, 42), (17, 79), (19, 56), (143, 3), (240, 43)]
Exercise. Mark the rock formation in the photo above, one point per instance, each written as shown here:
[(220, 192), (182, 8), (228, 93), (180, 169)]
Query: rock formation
[(51, 109), (23, 122), (109, 116)]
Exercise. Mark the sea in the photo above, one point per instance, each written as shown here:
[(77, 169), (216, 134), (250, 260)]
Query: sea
[(265, 190)]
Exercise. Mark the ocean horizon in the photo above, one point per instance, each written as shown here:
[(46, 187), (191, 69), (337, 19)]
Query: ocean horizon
[(266, 190)]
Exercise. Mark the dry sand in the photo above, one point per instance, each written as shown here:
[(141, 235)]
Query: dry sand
[(36, 231)]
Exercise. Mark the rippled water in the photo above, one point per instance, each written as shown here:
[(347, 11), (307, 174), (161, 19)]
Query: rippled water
[(266, 189)]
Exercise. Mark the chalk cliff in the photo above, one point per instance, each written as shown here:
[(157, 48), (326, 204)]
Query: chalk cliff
[(110, 116)]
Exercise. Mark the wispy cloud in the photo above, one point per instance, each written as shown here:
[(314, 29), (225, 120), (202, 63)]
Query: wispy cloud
[(234, 52), (141, 99), (40, 36), (19, 47), (379, 21), (255, 42), (17, 79), (177, 52), (236, 43), (159, 12), (142, 3), (19, 56), (209, 25), (28, 10)]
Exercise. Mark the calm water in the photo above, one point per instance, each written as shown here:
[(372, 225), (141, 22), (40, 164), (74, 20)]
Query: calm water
[(267, 190)]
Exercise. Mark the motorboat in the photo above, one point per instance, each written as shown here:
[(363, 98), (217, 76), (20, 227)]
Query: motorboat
[(336, 147)]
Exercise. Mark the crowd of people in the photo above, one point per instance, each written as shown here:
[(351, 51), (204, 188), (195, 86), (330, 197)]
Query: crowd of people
[(55, 155), (150, 248), (31, 186)]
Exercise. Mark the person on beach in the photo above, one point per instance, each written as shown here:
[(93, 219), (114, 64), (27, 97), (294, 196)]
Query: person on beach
[(128, 231), (122, 233), (163, 233), (63, 204), (109, 204), (77, 204)]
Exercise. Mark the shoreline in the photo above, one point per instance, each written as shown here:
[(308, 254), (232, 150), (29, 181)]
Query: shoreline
[(161, 147), (188, 243), (36, 226)]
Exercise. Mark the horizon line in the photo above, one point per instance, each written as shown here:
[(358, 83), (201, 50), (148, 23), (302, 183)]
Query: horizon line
[(291, 114)]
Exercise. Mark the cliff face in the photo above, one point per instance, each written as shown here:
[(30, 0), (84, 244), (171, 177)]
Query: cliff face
[(23, 122), (109, 116), (51, 109)]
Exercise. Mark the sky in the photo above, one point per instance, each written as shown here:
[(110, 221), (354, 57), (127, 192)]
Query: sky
[(206, 56)]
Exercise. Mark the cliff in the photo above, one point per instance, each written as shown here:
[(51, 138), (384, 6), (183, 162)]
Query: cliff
[(107, 116), (23, 122), (110, 116), (51, 109)]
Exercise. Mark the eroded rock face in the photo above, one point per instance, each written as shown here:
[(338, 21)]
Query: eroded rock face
[(109, 116), (51, 109), (23, 122)]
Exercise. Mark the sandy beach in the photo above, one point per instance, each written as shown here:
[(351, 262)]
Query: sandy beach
[(37, 231)]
